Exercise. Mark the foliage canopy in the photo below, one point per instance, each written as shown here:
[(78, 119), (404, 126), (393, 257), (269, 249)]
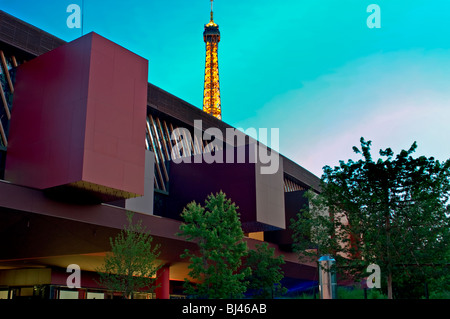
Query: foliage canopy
[(393, 212), (216, 265), (132, 264)]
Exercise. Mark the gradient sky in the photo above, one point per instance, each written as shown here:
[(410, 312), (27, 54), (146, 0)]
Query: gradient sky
[(311, 68)]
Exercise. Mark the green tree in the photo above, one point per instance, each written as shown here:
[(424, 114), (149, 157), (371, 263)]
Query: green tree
[(131, 265), (393, 212), (217, 230), (266, 273)]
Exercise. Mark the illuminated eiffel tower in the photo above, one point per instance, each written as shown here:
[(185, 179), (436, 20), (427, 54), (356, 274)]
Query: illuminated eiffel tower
[(211, 91)]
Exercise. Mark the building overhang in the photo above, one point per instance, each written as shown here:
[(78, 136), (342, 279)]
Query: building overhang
[(78, 121)]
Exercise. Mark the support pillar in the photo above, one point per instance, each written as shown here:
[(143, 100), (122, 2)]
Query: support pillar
[(163, 291)]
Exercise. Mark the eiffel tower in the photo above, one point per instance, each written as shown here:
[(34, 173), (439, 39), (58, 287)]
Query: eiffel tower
[(211, 91)]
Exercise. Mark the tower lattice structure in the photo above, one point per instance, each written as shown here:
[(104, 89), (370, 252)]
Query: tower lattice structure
[(211, 91)]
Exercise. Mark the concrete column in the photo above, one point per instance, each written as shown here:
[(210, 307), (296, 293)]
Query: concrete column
[(163, 291)]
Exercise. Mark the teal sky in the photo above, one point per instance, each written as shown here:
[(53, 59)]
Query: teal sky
[(311, 68)]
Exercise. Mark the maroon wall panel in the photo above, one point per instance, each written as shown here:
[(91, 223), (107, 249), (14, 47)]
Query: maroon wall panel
[(78, 118), (196, 181)]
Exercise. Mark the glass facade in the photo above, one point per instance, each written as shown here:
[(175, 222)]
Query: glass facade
[(158, 140), (292, 186), (8, 64), (158, 130)]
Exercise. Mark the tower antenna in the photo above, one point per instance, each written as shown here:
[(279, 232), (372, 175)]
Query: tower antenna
[(82, 17), (212, 10)]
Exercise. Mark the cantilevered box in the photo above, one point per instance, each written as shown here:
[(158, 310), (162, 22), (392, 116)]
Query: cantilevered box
[(260, 197), (78, 120)]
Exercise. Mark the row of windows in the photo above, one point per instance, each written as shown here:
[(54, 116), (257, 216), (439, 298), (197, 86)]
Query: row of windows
[(62, 292), (291, 186)]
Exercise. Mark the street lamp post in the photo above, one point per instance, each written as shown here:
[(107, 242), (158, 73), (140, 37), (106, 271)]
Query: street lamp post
[(327, 278)]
